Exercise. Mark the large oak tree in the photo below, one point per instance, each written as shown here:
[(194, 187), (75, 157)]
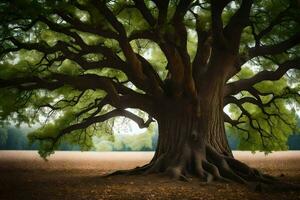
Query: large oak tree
[(83, 62)]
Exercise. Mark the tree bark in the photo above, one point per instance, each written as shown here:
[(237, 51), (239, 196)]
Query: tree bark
[(187, 131)]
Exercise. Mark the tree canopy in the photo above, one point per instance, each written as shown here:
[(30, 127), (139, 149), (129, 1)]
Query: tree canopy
[(77, 64)]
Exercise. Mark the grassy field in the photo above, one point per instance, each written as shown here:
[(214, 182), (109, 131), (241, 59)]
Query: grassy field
[(79, 175)]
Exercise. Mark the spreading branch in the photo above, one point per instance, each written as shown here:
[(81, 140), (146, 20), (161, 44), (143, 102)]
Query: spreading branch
[(94, 120), (245, 84)]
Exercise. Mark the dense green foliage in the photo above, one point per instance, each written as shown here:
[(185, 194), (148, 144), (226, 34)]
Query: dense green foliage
[(47, 44)]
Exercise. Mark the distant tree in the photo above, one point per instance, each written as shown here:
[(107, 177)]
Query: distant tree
[(127, 142), (3, 137), (180, 61), (294, 140), (16, 140), (155, 140), (13, 139)]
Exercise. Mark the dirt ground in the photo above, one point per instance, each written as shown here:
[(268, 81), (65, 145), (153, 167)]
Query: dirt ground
[(78, 175)]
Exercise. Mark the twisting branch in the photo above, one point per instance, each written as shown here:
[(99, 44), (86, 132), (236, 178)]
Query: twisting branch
[(132, 69), (276, 48), (123, 41), (93, 120), (82, 82), (111, 60), (260, 49), (231, 121), (245, 84), (98, 104), (276, 21), (86, 28), (253, 122), (268, 115), (236, 123)]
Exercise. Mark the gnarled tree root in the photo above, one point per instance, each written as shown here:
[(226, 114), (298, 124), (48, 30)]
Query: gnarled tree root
[(209, 166)]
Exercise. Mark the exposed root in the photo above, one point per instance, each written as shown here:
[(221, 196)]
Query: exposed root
[(176, 173), (135, 171), (209, 166)]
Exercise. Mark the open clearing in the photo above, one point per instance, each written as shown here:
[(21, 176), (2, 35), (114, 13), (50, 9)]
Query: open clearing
[(78, 175)]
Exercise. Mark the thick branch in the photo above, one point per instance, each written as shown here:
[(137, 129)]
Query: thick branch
[(98, 119), (163, 10), (217, 7), (203, 52), (265, 50), (245, 84), (111, 60), (237, 23), (30, 83), (276, 48), (54, 81), (156, 82), (141, 6), (133, 61), (78, 25)]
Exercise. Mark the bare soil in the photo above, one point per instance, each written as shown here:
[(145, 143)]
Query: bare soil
[(79, 175)]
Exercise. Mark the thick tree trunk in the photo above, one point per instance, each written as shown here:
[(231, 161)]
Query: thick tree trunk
[(182, 145), (192, 143), (192, 140), (212, 118)]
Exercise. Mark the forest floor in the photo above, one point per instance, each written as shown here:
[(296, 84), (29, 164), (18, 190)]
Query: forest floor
[(79, 175)]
